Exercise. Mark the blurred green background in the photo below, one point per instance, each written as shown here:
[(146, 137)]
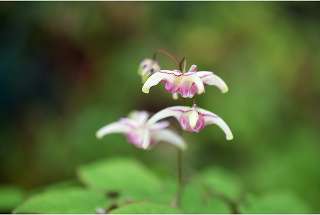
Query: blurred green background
[(66, 69)]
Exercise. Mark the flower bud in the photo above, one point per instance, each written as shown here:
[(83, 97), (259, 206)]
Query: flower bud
[(148, 67)]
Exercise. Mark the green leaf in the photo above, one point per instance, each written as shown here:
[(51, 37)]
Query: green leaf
[(145, 208), (221, 182), (279, 202), (125, 176), (10, 197), (63, 185), (72, 200), (167, 194), (197, 199)]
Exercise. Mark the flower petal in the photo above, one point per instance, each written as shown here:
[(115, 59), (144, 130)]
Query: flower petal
[(146, 139), (156, 78), (193, 118), (210, 78), (160, 125), (199, 83), (174, 111), (214, 119), (169, 136), (139, 116), (116, 127)]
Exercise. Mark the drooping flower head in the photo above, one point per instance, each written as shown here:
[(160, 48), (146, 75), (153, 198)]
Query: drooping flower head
[(148, 67), (192, 119), (186, 84), (142, 133)]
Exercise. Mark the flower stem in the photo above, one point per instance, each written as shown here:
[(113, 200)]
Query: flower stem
[(179, 178), (167, 54)]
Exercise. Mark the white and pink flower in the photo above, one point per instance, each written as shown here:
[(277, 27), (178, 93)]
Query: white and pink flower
[(142, 133), (185, 84), (192, 119)]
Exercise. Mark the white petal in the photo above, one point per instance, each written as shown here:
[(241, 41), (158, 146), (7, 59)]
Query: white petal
[(146, 139), (214, 119), (174, 111), (139, 116), (198, 82), (210, 78), (159, 125), (155, 79), (115, 127), (205, 112), (193, 118), (169, 136)]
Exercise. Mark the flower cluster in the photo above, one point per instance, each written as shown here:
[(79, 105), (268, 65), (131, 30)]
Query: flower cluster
[(144, 131)]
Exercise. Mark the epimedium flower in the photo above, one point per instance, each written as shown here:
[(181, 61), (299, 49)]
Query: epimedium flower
[(192, 119), (148, 67), (186, 84), (142, 133)]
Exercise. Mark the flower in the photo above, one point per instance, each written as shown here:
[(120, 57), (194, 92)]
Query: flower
[(186, 84), (148, 67), (192, 119), (141, 133)]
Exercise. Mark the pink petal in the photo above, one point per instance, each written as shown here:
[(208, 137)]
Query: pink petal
[(185, 124), (134, 138)]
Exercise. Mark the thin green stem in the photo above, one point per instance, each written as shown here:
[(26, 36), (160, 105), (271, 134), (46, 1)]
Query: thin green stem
[(167, 54), (194, 103), (179, 177)]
